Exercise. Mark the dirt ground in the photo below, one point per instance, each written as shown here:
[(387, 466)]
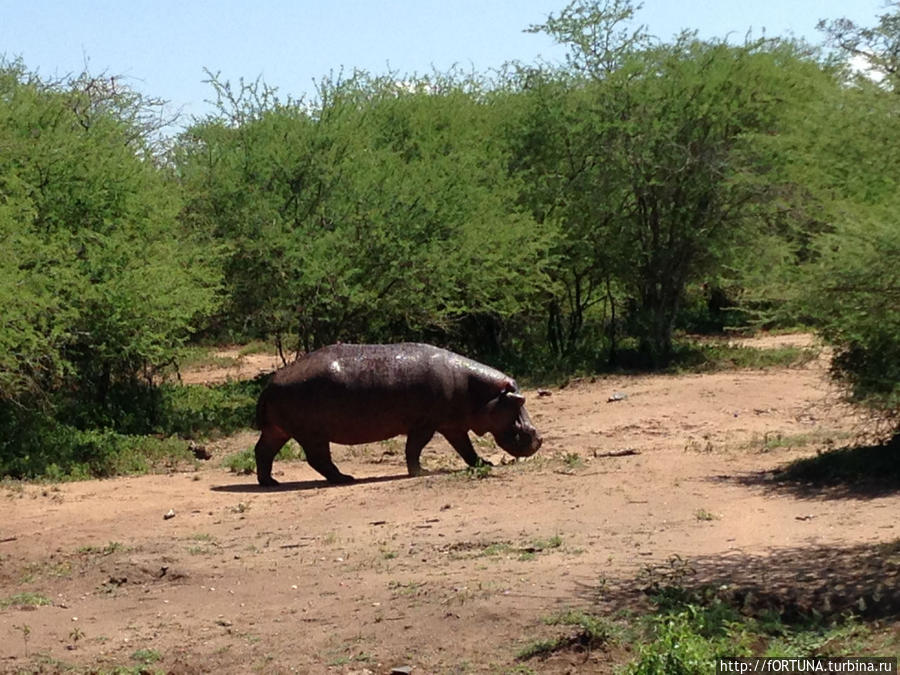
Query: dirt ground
[(450, 572)]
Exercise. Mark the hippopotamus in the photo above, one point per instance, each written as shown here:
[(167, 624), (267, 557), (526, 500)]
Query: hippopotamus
[(353, 393)]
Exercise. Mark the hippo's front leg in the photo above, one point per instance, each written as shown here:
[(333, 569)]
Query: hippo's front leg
[(463, 446)]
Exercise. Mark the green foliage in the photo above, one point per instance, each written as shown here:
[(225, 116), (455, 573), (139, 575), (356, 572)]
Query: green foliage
[(146, 656), (692, 625), (856, 303), (379, 213), (645, 157), (43, 447), (551, 220), (244, 462), (99, 284), (593, 632), (479, 472), (685, 643), (844, 151), (197, 411)]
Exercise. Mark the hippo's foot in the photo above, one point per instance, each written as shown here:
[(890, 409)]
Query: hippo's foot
[(415, 471), (268, 481), (340, 479)]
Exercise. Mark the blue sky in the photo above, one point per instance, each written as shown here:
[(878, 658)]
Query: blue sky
[(162, 46)]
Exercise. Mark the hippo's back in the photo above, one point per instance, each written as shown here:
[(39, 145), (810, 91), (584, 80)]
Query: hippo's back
[(383, 367)]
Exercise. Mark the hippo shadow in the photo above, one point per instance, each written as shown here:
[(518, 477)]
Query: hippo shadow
[(318, 484)]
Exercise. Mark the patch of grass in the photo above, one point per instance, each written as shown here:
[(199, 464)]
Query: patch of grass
[(704, 515), (592, 633), (710, 357), (204, 544), (13, 486), (60, 569), (553, 542), (256, 347), (199, 356), (693, 625), (497, 548), (504, 548), (596, 628), (409, 588), (530, 551), (541, 648), (202, 536), (27, 599), (682, 644), (573, 460), (244, 462), (80, 455), (344, 659), (108, 549), (479, 472), (146, 656), (775, 440)]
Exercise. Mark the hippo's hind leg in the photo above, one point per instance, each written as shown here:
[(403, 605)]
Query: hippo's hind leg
[(463, 446), (319, 457), (415, 441), (271, 440)]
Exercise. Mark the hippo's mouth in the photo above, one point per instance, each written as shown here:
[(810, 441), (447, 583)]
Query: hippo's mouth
[(519, 443)]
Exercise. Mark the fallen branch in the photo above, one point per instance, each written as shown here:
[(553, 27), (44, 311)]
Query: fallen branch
[(618, 453)]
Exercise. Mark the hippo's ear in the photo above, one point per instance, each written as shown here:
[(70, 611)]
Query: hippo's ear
[(517, 398)]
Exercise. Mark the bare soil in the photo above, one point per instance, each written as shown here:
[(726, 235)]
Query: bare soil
[(452, 572)]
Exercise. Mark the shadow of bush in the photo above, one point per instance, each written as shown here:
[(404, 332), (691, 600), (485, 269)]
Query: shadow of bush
[(856, 472), (794, 585)]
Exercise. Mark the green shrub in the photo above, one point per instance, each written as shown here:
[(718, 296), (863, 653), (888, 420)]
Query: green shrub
[(680, 647), (197, 410), (47, 449)]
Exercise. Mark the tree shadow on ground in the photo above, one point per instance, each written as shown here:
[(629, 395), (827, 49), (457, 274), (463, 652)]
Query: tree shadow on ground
[(794, 584), (855, 472)]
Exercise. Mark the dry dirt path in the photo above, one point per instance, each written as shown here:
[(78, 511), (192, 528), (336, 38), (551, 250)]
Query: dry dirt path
[(449, 572)]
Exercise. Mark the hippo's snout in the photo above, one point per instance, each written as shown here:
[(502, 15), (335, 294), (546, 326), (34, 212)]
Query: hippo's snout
[(534, 443), (520, 442)]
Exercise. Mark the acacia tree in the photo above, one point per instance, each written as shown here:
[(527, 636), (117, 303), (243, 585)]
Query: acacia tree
[(379, 212), (557, 141), (659, 184), (845, 149), (99, 286), (877, 47)]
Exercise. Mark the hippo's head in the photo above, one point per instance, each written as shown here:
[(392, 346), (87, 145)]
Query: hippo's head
[(508, 421)]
